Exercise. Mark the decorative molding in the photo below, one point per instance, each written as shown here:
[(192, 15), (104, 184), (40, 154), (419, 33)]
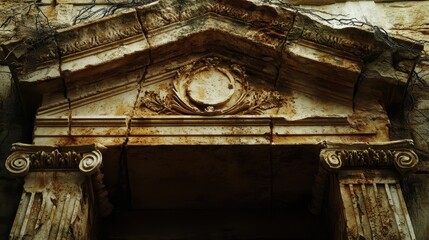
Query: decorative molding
[(25, 157), (164, 13), (18, 163), (90, 162), (405, 160), (54, 159), (110, 30), (211, 87), (273, 22), (371, 156), (327, 37)]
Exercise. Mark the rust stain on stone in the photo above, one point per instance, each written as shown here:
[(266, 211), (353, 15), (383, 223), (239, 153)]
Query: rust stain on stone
[(51, 11), (67, 141), (42, 182)]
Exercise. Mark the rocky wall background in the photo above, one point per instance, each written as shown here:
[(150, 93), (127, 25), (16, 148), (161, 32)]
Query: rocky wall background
[(13, 128), (35, 19), (417, 122)]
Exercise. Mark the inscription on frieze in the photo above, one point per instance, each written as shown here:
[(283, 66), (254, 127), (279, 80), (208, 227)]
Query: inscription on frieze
[(212, 87)]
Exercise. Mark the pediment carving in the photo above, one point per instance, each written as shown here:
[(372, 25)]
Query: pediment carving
[(210, 87)]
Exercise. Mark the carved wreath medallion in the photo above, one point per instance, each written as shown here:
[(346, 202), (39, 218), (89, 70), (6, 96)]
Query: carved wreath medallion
[(211, 87)]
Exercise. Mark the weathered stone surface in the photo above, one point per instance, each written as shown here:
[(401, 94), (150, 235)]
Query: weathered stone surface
[(63, 120), (397, 154), (418, 116), (13, 128), (211, 87), (54, 205), (130, 81), (209, 29), (27, 157), (364, 200), (316, 79), (122, 42), (373, 207), (200, 131), (60, 199)]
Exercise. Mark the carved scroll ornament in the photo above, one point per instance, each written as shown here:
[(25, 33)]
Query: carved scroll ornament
[(211, 87), (404, 160), (372, 157), (36, 158)]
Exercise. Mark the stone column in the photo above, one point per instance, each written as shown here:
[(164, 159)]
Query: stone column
[(361, 187), (63, 192)]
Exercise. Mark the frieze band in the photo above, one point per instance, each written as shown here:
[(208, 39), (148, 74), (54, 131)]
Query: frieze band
[(25, 157)]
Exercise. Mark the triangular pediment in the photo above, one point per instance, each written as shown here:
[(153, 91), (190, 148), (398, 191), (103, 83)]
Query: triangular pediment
[(204, 99), (247, 60)]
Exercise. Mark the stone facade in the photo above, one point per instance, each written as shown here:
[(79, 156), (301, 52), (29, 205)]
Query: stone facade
[(213, 104)]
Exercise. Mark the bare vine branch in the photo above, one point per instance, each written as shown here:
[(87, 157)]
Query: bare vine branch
[(90, 11)]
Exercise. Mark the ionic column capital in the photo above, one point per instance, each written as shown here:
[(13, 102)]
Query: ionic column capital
[(395, 154), (27, 157)]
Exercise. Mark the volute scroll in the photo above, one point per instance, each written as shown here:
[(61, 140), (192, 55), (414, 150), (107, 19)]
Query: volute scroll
[(398, 155), (25, 158)]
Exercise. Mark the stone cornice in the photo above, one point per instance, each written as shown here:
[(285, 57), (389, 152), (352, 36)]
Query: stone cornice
[(355, 42), (279, 46), (396, 154), (85, 37), (26, 157), (271, 22), (264, 16)]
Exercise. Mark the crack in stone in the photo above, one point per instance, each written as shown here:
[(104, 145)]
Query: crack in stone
[(357, 85), (283, 45), (145, 34), (130, 117), (123, 179), (63, 76), (139, 83)]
